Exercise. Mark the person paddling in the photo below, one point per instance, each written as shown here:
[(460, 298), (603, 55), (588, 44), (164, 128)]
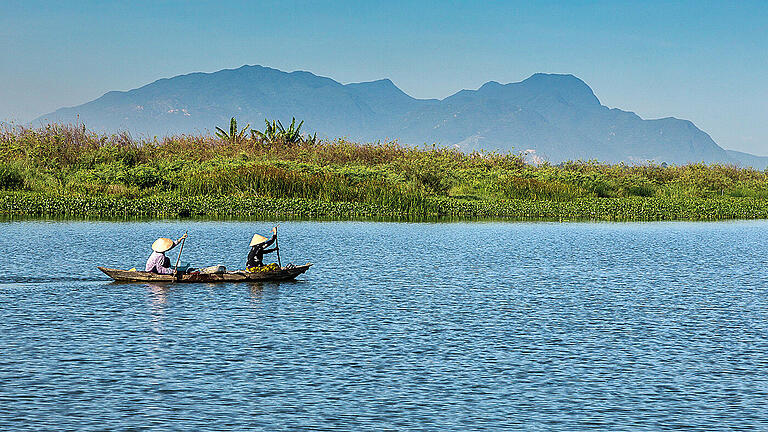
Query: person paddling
[(258, 249), (158, 262)]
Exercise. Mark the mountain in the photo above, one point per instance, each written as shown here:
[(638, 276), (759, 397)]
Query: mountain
[(746, 159), (555, 117)]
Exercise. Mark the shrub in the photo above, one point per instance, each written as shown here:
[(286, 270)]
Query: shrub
[(144, 176), (10, 177)]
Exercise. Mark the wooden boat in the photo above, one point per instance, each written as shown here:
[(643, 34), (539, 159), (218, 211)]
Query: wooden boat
[(283, 274)]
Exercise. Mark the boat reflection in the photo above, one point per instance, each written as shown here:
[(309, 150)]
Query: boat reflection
[(158, 298), (257, 291)]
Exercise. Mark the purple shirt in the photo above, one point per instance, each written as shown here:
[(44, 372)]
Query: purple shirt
[(156, 261)]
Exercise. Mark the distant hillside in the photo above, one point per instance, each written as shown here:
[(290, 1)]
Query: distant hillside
[(747, 160), (558, 117)]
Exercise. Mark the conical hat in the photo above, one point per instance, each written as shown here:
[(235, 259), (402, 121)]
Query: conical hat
[(257, 239), (162, 245)]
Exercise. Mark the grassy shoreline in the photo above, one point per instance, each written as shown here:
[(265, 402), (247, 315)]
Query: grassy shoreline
[(603, 209), (59, 170)]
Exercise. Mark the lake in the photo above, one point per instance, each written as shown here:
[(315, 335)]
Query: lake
[(397, 326)]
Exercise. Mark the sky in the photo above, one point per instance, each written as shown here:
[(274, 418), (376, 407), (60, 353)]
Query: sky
[(702, 61)]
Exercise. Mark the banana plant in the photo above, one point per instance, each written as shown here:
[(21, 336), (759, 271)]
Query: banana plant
[(292, 134), (270, 134), (233, 136), (275, 131)]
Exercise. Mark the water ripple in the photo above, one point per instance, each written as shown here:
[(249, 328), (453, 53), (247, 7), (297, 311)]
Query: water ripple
[(479, 326)]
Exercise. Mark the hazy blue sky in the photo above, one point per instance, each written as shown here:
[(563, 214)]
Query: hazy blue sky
[(702, 61)]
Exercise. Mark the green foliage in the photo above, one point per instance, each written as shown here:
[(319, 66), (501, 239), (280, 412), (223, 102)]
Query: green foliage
[(144, 176), (515, 187), (223, 176), (269, 135), (428, 176), (291, 135), (10, 177), (612, 209), (233, 136), (275, 132)]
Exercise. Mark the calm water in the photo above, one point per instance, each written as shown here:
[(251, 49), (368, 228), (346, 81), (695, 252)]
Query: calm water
[(457, 326)]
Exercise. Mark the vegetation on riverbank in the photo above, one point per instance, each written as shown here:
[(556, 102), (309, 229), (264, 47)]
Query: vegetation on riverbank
[(68, 170)]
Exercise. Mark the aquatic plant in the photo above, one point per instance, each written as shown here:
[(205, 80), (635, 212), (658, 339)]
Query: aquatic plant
[(612, 209)]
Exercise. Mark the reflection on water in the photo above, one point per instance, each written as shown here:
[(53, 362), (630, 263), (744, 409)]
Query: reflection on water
[(158, 298), (256, 289), (465, 326), (159, 293)]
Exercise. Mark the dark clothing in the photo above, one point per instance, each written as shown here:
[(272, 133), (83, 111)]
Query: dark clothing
[(257, 252)]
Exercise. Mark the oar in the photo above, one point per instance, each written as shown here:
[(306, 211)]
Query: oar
[(277, 246), (181, 249)]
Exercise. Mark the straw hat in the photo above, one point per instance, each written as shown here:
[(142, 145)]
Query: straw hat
[(257, 239), (162, 245)]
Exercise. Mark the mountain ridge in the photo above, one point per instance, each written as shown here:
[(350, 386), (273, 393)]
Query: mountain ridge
[(556, 116)]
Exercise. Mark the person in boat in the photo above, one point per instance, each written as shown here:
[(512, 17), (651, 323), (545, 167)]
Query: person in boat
[(158, 262), (259, 245)]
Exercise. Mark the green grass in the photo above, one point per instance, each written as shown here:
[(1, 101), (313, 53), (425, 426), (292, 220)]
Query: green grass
[(70, 171)]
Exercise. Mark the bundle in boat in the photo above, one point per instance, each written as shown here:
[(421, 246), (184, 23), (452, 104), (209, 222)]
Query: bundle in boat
[(219, 269)]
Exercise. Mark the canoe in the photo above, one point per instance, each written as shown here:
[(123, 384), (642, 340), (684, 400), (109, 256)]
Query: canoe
[(283, 274)]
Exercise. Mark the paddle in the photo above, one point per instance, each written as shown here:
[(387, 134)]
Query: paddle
[(181, 249), (277, 246)]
